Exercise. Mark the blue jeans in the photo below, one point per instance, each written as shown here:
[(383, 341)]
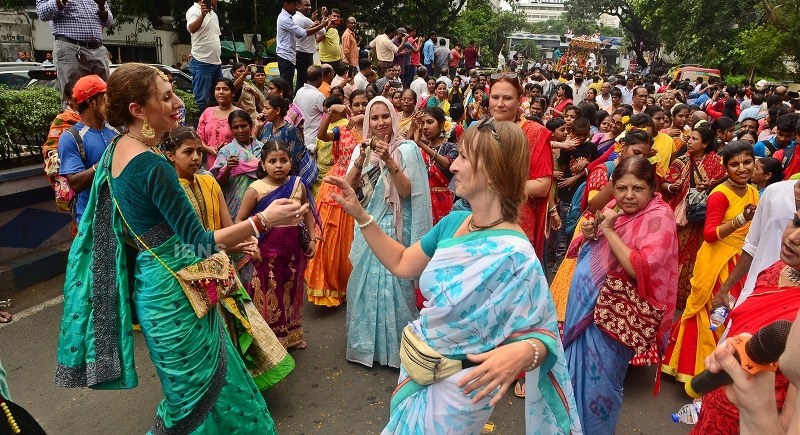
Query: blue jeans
[(204, 77)]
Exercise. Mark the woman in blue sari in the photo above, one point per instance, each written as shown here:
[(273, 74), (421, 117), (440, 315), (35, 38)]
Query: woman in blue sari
[(207, 388), (379, 304), (634, 239), (487, 299)]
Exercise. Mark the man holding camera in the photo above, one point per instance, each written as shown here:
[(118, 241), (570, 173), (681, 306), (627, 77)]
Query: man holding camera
[(206, 64), (330, 50), (288, 34), (78, 30)]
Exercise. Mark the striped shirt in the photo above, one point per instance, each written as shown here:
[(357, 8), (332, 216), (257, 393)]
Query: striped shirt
[(79, 20)]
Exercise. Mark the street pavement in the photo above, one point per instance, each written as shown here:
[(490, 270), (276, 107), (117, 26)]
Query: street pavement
[(324, 395)]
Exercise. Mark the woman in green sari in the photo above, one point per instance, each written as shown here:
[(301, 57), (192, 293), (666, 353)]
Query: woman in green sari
[(207, 388)]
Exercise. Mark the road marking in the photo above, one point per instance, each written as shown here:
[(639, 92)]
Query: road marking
[(33, 310)]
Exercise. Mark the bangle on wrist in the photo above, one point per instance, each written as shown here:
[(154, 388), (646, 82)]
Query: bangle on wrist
[(536, 355), (262, 216), (367, 223), (254, 225)]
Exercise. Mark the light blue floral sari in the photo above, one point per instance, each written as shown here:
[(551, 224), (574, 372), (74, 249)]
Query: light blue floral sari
[(484, 289)]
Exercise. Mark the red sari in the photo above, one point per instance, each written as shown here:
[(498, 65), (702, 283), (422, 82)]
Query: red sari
[(533, 216), (439, 180), (768, 302)]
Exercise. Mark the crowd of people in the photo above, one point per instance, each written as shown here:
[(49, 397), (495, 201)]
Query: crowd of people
[(480, 227)]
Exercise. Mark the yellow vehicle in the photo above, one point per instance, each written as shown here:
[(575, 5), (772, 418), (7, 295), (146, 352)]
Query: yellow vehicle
[(692, 72)]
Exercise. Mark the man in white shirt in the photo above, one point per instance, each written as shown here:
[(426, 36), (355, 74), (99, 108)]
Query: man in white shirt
[(420, 84), (579, 90), (206, 65), (307, 45), (286, 40), (309, 99), (604, 99), (364, 71), (627, 90)]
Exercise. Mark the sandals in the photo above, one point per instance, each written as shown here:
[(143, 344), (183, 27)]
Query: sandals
[(300, 346), (519, 388), (5, 317)]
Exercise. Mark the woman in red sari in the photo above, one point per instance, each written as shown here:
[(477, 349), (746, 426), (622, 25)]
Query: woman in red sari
[(776, 297), (428, 132), (562, 100), (504, 101), (701, 167)]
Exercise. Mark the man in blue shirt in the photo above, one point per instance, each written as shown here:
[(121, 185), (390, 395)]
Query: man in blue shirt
[(95, 135), (286, 39), (427, 51)]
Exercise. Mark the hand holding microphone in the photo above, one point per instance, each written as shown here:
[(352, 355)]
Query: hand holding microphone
[(741, 357)]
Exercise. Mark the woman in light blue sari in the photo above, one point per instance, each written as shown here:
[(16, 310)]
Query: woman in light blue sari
[(379, 304), (136, 193), (488, 305)]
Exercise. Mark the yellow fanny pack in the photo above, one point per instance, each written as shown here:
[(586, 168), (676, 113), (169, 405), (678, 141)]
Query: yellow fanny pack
[(424, 364)]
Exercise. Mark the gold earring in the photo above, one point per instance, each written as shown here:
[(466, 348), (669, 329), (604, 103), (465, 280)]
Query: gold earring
[(147, 131)]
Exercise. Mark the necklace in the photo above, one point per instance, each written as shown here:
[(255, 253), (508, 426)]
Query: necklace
[(471, 227), (138, 139), (793, 275)]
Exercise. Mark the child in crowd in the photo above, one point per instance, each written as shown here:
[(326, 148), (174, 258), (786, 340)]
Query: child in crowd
[(572, 164), (278, 284), (766, 172), (269, 363)]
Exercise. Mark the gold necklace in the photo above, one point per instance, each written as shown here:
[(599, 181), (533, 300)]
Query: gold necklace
[(138, 139), (793, 274), (472, 227)]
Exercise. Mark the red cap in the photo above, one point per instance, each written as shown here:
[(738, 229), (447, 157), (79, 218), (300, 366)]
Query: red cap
[(87, 87)]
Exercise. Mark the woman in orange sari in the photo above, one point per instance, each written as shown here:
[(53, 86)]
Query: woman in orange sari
[(731, 207), (700, 167), (327, 273)]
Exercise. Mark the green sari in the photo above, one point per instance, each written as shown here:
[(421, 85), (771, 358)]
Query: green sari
[(207, 388)]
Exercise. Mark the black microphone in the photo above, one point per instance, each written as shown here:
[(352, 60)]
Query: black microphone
[(760, 351)]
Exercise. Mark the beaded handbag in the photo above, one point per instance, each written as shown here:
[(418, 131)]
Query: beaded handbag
[(204, 283), (626, 315)]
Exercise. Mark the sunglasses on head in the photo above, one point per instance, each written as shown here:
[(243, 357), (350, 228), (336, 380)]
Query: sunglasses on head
[(488, 122), (498, 76)]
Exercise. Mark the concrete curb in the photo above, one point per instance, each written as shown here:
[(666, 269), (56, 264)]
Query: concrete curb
[(34, 268)]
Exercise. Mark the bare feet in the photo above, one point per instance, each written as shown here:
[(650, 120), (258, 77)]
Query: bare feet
[(300, 346), (5, 317)]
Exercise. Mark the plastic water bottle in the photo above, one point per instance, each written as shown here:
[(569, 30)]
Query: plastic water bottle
[(688, 413), (718, 318)]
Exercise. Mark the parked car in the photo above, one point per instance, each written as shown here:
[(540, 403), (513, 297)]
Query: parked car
[(14, 75), (46, 76)]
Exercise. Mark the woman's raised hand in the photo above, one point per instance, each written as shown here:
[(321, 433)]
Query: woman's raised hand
[(382, 149), (749, 212), (340, 109), (285, 212), (347, 199), (589, 229)]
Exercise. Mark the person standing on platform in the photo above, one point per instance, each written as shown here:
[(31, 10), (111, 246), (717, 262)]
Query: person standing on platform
[(206, 64), (330, 50), (78, 30), (288, 34)]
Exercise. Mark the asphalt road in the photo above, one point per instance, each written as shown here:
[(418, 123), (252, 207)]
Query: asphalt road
[(324, 395)]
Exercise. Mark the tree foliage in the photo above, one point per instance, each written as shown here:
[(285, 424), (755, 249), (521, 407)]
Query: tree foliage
[(580, 26), (486, 26)]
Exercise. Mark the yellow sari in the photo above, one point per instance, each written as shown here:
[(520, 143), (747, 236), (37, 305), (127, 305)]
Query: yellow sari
[(263, 355), (692, 340)]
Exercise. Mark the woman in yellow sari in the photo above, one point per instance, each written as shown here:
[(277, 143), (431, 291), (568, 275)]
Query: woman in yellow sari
[(263, 355), (408, 104), (731, 207)]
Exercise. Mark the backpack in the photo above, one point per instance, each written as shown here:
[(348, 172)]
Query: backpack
[(65, 196)]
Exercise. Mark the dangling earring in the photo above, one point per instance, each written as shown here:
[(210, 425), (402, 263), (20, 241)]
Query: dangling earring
[(147, 131)]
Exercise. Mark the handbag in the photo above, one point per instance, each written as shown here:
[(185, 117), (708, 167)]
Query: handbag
[(696, 200), (626, 315), (204, 283), (424, 364)]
